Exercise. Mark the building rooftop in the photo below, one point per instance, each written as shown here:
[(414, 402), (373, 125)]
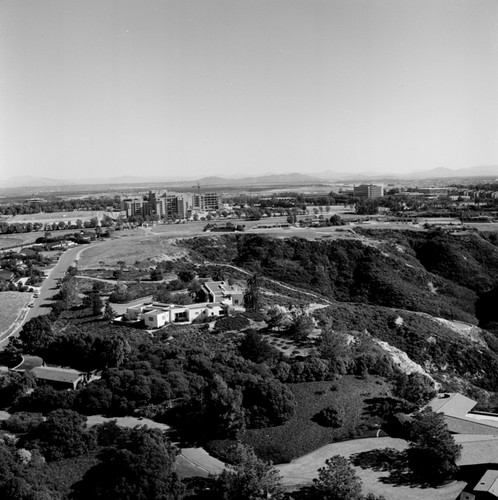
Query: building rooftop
[(458, 425), (221, 287), (156, 312), (158, 308), (488, 483), (56, 374), (452, 404), (477, 449)]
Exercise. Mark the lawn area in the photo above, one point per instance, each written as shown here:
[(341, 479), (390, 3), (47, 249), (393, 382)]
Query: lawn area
[(11, 304), (8, 241), (301, 435)]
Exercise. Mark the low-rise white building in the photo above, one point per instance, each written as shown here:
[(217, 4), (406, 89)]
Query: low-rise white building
[(156, 315), (222, 292)]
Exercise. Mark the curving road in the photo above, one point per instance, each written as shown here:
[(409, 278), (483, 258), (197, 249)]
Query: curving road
[(48, 289)]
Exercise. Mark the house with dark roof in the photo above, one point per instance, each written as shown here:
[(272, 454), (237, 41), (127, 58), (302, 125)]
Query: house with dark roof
[(63, 378)]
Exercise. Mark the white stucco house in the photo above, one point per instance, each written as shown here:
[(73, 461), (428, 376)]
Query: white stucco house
[(157, 315)]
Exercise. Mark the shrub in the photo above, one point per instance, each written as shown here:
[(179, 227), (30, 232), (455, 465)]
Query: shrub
[(329, 417), (22, 422), (238, 322)]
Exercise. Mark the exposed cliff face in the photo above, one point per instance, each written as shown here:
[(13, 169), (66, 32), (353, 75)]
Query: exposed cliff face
[(403, 362)]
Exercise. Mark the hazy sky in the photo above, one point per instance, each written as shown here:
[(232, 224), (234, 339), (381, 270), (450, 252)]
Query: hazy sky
[(200, 87)]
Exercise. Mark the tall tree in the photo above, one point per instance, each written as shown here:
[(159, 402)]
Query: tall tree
[(433, 452), (36, 335), (337, 480), (109, 312), (249, 479), (301, 327), (93, 301), (62, 435), (138, 467), (416, 388), (68, 295), (335, 347), (252, 295)]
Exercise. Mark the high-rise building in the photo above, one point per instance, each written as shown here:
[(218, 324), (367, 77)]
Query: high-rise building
[(212, 201), (368, 191)]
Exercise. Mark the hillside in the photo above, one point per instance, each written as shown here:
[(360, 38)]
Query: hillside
[(402, 271), (393, 284)]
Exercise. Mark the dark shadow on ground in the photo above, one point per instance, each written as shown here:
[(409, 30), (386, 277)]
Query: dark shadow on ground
[(393, 462)]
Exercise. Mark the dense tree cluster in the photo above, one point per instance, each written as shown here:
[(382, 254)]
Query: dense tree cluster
[(58, 205), (137, 464)]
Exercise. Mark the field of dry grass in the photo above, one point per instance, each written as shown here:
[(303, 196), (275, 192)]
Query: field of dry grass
[(9, 241), (131, 247), (11, 304), (58, 216)]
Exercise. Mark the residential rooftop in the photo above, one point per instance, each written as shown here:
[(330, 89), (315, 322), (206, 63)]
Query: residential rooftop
[(56, 374), (488, 483)]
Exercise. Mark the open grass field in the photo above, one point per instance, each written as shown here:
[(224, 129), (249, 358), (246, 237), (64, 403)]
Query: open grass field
[(11, 304), (58, 216), (9, 241), (131, 247), (301, 435)]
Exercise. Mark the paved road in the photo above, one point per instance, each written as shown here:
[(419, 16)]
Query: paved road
[(48, 289)]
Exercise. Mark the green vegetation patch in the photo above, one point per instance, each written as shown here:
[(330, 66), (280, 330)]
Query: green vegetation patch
[(11, 304), (386, 274), (301, 435), (61, 475)]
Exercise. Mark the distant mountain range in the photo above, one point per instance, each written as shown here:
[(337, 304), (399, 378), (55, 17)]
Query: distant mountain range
[(270, 179)]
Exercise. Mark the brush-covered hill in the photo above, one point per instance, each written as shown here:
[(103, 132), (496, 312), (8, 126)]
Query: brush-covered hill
[(394, 284), (395, 270)]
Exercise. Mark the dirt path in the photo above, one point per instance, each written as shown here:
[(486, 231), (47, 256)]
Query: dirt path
[(288, 287)]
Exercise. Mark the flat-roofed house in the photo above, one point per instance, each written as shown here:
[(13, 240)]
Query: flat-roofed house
[(220, 291), (157, 315)]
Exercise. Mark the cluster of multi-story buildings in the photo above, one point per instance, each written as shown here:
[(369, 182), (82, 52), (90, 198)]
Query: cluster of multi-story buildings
[(166, 205)]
